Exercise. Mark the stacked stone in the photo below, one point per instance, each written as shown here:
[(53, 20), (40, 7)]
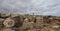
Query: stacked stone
[(39, 22), (17, 22)]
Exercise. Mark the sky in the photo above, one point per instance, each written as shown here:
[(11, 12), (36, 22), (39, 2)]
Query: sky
[(38, 7)]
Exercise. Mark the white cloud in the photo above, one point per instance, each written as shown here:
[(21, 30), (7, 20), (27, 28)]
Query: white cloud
[(44, 7)]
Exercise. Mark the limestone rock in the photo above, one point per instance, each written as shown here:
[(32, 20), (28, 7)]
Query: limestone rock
[(9, 22)]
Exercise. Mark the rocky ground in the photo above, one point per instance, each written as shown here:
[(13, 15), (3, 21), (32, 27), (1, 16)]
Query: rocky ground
[(17, 22)]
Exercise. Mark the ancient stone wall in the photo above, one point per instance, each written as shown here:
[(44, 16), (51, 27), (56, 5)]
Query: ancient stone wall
[(17, 22)]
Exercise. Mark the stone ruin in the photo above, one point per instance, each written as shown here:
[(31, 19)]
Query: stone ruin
[(17, 22)]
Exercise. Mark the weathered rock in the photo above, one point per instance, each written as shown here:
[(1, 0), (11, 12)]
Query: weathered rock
[(34, 30), (1, 23), (47, 29), (9, 22), (8, 30), (5, 15), (29, 22), (39, 22)]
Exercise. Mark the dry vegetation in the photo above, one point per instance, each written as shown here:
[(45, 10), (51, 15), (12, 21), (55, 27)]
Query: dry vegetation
[(16, 22)]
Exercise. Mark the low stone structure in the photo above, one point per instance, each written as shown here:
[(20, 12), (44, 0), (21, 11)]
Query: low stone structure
[(17, 22)]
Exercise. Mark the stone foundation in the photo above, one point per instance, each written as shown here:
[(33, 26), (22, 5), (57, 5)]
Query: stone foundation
[(17, 22)]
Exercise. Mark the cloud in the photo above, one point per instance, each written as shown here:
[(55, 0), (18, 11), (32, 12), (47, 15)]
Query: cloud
[(39, 7)]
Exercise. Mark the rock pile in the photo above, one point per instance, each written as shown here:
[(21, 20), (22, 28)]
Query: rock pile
[(17, 22)]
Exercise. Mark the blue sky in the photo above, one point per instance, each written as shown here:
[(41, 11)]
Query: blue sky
[(38, 7)]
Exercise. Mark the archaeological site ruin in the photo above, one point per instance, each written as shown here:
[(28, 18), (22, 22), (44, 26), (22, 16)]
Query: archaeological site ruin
[(17, 22)]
